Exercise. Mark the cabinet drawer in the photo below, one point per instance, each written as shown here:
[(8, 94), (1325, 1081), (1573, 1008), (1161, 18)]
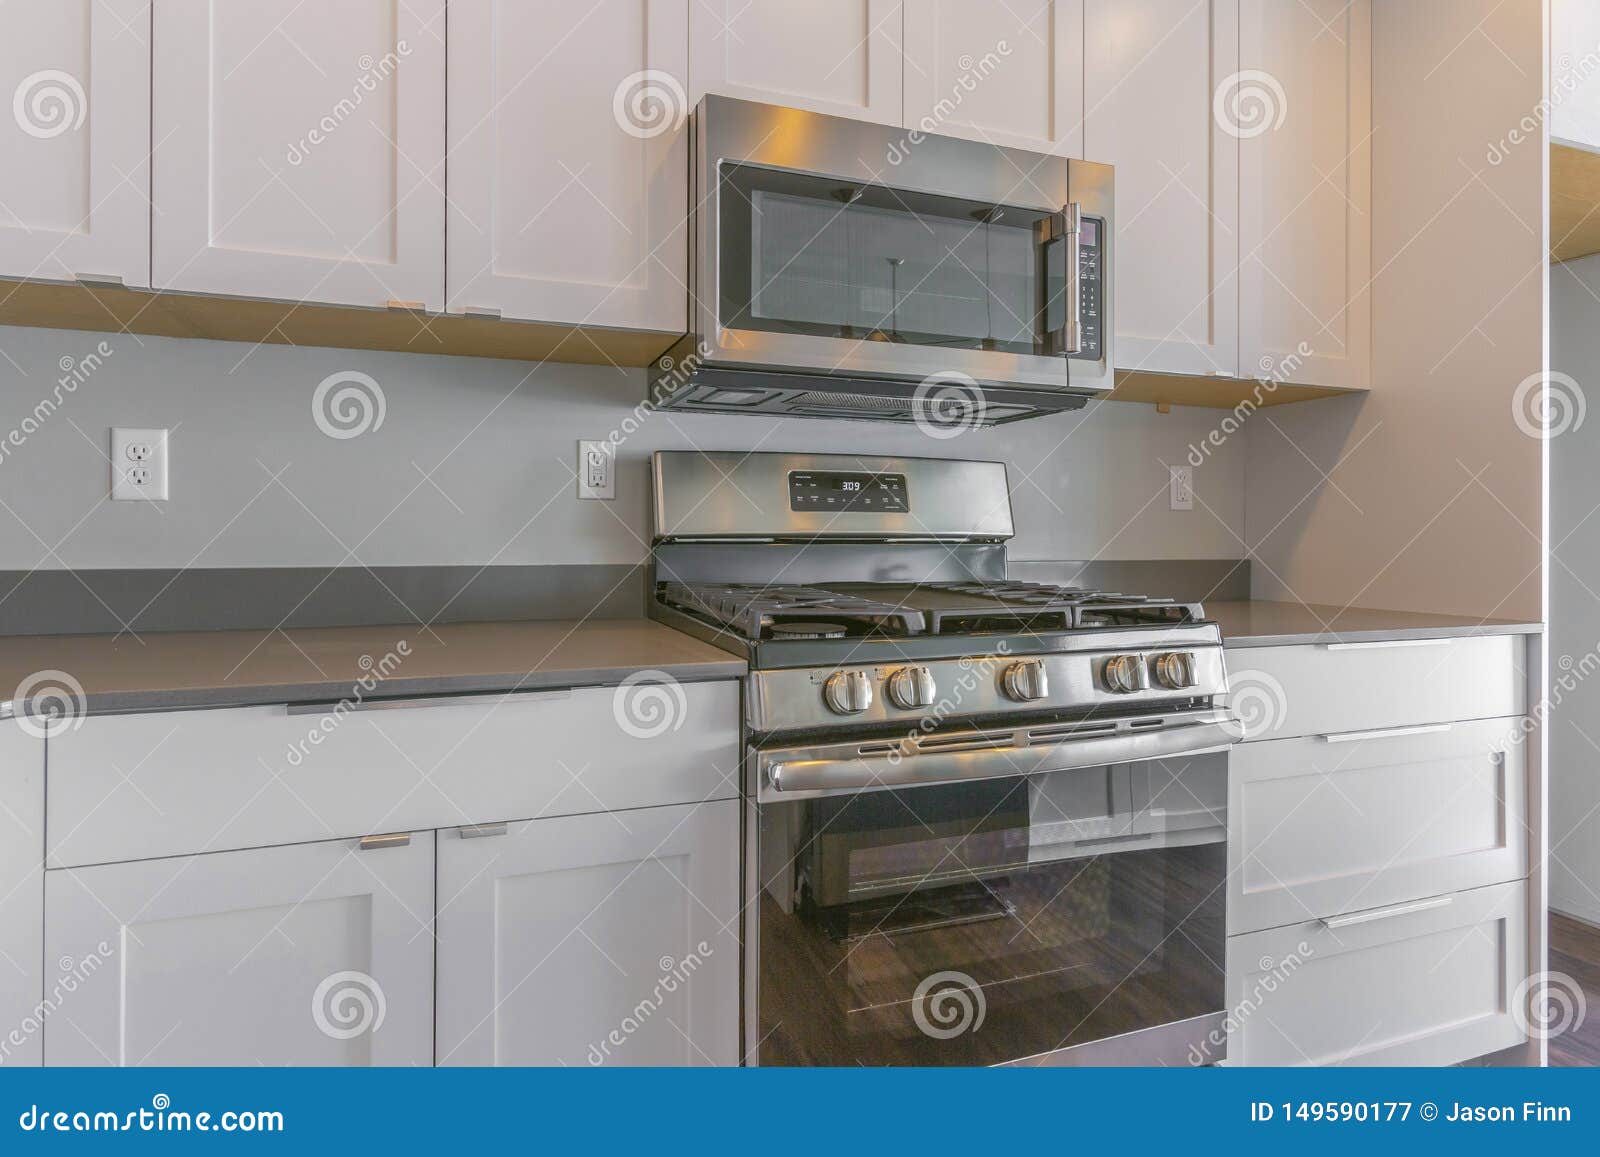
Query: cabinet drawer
[(1427, 983), (1316, 828), (1281, 692), (124, 787)]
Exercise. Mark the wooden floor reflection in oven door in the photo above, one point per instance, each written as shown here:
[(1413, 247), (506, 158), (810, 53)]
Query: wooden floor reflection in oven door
[(998, 968)]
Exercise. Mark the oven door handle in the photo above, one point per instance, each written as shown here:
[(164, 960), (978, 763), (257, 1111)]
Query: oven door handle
[(787, 774)]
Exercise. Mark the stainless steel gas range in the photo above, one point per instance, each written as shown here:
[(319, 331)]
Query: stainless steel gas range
[(985, 820)]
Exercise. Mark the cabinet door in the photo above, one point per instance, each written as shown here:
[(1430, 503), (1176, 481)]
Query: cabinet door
[(595, 939), (568, 186), (21, 894), (1574, 82), (1152, 71), (74, 172), (832, 56), (1427, 983), (1008, 76), (1305, 192), (309, 954), (299, 150), (1319, 829)]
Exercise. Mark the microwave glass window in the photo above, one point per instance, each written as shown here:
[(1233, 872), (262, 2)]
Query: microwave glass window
[(810, 255)]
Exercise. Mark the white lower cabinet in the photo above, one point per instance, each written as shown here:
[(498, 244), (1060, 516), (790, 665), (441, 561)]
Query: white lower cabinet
[(592, 939), (311, 954), (1318, 827), (1430, 982), (21, 895)]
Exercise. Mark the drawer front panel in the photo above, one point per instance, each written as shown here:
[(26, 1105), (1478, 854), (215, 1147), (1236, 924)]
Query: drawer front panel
[(1318, 828), (1283, 692), (126, 787), (1423, 984)]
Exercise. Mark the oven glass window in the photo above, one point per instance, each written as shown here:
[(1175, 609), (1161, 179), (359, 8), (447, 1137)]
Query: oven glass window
[(989, 922), (804, 254)]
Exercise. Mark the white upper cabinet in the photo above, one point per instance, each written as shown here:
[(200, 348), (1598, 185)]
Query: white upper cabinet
[(1574, 80), (568, 161), (1152, 69), (832, 56), (1305, 191), (299, 150), (996, 73), (74, 177)]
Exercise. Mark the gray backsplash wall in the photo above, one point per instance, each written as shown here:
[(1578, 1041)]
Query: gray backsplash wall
[(473, 463)]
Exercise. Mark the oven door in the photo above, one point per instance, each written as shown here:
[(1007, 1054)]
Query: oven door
[(1070, 916)]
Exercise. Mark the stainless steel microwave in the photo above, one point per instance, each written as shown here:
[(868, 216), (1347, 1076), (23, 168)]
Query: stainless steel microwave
[(840, 269)]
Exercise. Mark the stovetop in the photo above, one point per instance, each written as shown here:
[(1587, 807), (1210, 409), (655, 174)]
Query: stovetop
[(886, 610)]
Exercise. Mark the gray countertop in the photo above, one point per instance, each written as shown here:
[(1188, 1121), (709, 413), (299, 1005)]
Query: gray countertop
[(1265, 624), (218, 668), (223, 668)]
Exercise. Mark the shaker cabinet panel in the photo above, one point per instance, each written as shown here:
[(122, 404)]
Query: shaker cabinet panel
[(310, 954), (1152, 69), (1427, 983), (595, 939), (841, 57), (568, 161), (299, 150), (1319, 829), (996, 73), (1305, 191), (74, 172), (1574, 83), (22, 974)]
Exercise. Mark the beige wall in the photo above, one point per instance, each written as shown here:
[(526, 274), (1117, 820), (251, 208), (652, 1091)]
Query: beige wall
[(1432, 498)]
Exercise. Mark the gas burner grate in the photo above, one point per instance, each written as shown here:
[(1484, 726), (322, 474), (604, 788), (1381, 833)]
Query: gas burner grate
[(892, 610), (760, 612)]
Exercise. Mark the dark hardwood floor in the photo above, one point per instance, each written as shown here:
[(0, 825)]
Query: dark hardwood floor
[(1575, 950)]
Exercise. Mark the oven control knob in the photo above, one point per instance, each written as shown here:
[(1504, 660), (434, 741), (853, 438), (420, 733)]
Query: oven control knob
[(1125, 674), (1026, 681), (1175, 670), (847, 692), (912, 687)]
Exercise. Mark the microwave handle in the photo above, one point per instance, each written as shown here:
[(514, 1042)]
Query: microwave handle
[(1062, 228)]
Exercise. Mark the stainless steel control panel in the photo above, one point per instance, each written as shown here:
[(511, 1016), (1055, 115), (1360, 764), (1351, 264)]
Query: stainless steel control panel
[(996, 684)]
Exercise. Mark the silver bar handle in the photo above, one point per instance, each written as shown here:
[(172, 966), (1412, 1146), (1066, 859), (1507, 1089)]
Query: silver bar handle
[(1372, 914), (392, 840), (481, 831), (470, 699), (1074, 335), (1387, 644), (1383, 733), (1063, 227), (788, 774), (113, 280)]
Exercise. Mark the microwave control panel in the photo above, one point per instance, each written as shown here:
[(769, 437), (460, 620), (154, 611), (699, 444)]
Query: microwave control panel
[(1091, 288)]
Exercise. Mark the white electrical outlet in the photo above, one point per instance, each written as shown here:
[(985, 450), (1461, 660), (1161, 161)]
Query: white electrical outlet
[(1180, 489), (596, 470), (138, 465)]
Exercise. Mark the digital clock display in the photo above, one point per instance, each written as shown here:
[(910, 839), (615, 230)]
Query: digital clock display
[(858, 492)]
